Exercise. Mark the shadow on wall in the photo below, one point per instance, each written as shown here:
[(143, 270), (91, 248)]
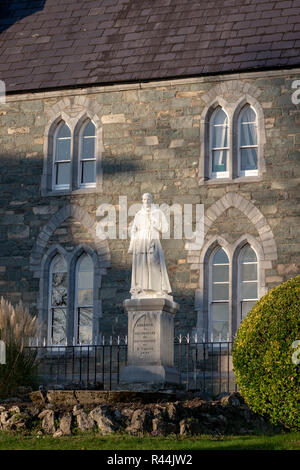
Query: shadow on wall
[(12, 11), (115, 288), (25, 212)]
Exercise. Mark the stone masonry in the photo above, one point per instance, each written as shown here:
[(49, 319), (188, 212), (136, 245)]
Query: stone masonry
[(151, 142)]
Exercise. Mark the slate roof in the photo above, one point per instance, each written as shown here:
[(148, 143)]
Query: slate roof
[(61, 43)]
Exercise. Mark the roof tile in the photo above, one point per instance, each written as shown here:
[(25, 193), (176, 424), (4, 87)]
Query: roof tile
[(45, 43)]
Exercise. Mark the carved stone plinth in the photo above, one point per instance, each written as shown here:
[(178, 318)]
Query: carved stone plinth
[(150, 342)]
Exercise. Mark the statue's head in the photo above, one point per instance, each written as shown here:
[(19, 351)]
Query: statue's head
[(147, 199)]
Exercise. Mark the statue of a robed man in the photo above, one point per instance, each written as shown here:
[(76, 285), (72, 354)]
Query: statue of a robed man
[(149, 273)]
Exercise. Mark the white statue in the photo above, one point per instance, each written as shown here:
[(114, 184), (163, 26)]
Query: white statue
[(149, 273)]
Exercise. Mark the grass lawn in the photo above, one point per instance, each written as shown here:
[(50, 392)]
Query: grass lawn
[(285, 441)]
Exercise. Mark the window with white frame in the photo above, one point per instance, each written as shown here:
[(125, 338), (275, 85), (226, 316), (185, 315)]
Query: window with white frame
[(84, 299), (62, 157), (247, 142), (72, 162), (233, 289), (219, 144), (232, 139), (248, 281), (219, 295), (58, 301), (87, 164)]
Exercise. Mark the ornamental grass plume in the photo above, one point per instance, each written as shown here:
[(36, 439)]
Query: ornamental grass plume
[(17, 328)]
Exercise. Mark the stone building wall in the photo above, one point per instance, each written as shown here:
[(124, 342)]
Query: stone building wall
[(151, 142)]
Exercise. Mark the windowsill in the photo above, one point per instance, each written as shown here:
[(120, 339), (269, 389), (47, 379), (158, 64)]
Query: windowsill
[(68, 192), (238, 179)]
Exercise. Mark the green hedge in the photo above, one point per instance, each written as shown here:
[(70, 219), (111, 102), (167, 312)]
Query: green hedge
[(262, 355)]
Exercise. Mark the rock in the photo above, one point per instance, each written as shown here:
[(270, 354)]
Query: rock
[(48, 423), (58, 433), (76, 410), (2, 408), (14, 409), (4, 416), (103, 420), (140, 422), (172, 411), (158, 426), (190, 426), (127, 414), (231, 399), (84, 422), (37, 397), (65, 424), (33, 411)]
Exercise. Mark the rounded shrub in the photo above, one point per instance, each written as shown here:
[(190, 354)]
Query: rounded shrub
[(265, 361)]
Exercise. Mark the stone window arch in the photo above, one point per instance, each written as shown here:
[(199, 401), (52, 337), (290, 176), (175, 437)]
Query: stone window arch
[(76, 112), (219, 318), (70, 306), (235, 98)]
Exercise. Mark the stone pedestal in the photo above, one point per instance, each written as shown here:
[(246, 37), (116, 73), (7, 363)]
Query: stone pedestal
[(150, 342)]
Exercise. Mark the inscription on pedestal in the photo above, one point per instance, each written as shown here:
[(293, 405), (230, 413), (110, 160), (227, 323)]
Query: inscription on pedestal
[(144, 338)]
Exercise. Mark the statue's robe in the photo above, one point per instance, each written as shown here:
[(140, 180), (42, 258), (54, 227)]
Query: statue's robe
[(149, 272)]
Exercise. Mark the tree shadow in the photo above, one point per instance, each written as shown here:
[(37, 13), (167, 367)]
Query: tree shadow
[(12, 11)]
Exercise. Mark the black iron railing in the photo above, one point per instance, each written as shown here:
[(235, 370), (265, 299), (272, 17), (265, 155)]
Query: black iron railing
[(202, 366)]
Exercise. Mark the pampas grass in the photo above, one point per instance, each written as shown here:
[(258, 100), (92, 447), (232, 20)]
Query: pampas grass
[(17, 329)]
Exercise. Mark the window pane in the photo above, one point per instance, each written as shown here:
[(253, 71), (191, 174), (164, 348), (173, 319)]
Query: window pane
[(249, 290), (59, 296), (59, 264), (220, 330), (219, 117), (85, 280), (249, 272), (220, 257), (62, 173), (88, 147), (219, 162), (220, 137), (249, 159), (89, 129), (85, 325), (59, 282), (246, 307), (220, 292), (85, 263), (220, 311), (248, 133), (220, 320), (248, 115), (248, 255), (85, 297), (64, 131), (59, 322), (88, 172), (220, 273), (63, 149)]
